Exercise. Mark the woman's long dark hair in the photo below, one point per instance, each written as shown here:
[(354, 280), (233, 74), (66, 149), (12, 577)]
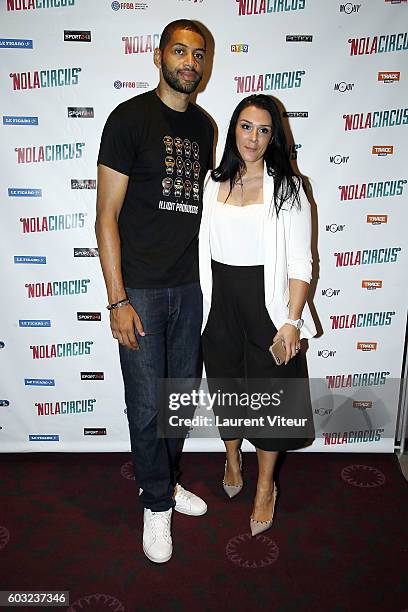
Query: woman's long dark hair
[(276, 157)]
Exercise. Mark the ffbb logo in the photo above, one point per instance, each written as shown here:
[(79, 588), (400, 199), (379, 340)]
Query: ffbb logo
[(366, 346)]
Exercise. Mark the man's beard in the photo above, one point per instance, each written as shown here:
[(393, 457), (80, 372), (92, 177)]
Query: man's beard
[(175, 82)]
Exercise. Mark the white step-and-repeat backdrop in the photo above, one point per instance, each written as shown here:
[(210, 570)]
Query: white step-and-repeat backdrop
[(339, 71)]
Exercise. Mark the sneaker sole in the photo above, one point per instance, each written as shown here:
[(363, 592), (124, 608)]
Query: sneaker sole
[(157, 560), (190, 513)]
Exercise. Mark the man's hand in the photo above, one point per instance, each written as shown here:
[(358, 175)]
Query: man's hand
[(290, 336), (123, 322)]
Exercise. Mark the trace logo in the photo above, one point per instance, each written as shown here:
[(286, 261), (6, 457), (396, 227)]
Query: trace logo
[(339, 159), (343, 86), (326, 353), (92, 376), (349, 8), (261, 7), (19, 120), (98, 431), (16, 43), (30, 259), (269, 81), (57, 288), (388, 77), (382, 150), (362, 319), (83, 183), (142, 43), (330, 292), (130, 84), (240, 48), (34, 323), (385, 43), (24, 192), (377, 219), (86, 252), (366, 346), (43, 438), (53, 223), (362, 404), (376, 119), (299, 38), (26, 5), (37, 79), (80, 406), (333, 228), (39, 382), (293, 150), (76, 348), (49, 153), (352, 437), (296, 114), (88, 316), (81, 112), (358, 379), (77, 35), (371, 285), (367, 257), (382, 189)]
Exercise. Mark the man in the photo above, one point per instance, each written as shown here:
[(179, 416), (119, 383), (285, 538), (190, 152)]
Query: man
[(155, 151)]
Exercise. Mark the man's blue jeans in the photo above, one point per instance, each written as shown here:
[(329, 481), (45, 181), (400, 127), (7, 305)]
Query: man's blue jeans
[(171, 319)]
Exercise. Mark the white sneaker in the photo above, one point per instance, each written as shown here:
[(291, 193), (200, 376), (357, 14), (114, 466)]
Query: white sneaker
[(157, 544), (188, 503)]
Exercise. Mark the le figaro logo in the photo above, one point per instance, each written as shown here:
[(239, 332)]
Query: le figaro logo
[(384, 43), (362, 319), (252, 83), (67, 407), (27, 5), (262, 7), (62, 349), (24, 192), (367, 257), (16, 43), (141, 43), (57, 288), (381, 189), (49, 152), (38, 79), (375, 119)]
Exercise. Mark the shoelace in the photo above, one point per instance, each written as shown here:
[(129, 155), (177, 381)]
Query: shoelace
[(181, 492), (160, 524)]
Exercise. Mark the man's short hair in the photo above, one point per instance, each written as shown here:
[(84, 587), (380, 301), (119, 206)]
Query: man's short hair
[(179, 24)]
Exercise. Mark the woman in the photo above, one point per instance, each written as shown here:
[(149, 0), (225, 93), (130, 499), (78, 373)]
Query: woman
[(255, 268)]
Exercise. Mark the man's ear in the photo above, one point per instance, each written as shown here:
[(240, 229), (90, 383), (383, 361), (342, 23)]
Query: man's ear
[(157, 58)]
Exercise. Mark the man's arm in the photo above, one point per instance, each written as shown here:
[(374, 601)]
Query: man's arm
[(111, 193)]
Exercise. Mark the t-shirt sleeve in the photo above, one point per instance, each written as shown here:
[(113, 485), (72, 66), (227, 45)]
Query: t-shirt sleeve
[(118, 146)]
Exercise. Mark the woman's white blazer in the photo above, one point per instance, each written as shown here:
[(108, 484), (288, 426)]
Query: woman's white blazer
[(287, 253)]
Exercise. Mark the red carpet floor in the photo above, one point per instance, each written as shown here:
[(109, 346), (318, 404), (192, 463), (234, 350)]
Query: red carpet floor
[(339, 540)]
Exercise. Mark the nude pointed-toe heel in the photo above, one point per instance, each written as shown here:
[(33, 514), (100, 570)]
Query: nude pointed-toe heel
[(261, 526), (231, 489)]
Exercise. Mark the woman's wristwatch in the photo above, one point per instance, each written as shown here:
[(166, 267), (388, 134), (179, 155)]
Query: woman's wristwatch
[(298, 323)]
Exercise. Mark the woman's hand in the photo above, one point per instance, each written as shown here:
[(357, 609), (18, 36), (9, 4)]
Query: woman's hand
[(290, 336)]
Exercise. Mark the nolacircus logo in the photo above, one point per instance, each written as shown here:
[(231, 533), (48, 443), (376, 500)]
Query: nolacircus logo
[(57, 288), (80, 112), (83, 183), (76, 348), (19, 120), (240, 48), (86, 252), (49, 153), (367, 257), (371, 284), (30, 259), (362, 404), (92, 376), (142, 43), (269, 81), (384, 43), (362, 319), (382, 150), (88, 316), (352, 437), (77, 35), (34, 323), (382, 189), (27, 5), (376, 119), (377, 219), (366, 346), (388, 77), (53, 223), (16, 43), (358, 379), (261, 7), (92, 431), (39, 382), (24, 192), (80, 406), (53, 77)]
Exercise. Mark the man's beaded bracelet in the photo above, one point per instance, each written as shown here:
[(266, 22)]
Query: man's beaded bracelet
[(119, 304)]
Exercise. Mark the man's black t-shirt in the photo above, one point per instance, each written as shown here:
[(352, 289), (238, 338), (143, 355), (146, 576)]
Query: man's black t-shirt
[(166, 155)]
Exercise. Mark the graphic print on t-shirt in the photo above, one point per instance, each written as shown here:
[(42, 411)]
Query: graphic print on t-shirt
[(181, 162)]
